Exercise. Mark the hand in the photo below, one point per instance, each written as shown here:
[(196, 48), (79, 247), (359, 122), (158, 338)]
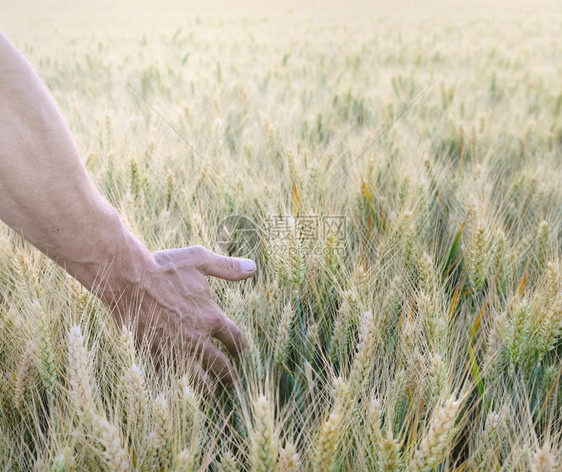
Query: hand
[(47, 197), (175, 309)]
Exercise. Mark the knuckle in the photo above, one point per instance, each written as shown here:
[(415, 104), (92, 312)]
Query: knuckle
[(162, 258), (200, 256), (232, 265), (196, 248), (215, 322), (233, 330), (198, 251)]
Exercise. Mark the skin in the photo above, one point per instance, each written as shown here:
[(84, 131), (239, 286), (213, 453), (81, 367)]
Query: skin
[(47, 197)]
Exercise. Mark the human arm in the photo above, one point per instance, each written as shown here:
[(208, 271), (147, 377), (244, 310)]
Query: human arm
[(47, 196)]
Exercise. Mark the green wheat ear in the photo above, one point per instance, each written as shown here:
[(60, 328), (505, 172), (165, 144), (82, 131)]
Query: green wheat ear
[(389, 457), (327, 443), (361, 370), (134, 180), (297, 265), (478, 260), (488, 441), (541, 244), (517, 333), (549, 311), (47, 364)]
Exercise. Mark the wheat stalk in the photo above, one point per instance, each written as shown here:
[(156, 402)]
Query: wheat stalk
[(282, 341)]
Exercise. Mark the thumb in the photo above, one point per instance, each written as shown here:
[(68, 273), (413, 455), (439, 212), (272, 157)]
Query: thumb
[(228, 268)]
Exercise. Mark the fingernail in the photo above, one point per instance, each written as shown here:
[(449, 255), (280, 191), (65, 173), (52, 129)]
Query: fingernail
[(248, 266)]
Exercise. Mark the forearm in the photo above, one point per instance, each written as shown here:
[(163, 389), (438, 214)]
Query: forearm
[(46, 194)]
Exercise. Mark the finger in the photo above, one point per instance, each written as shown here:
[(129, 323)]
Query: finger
[(228, 268), (181, 356), (199, 379), (230, 335), (209, 263), (217, 364)]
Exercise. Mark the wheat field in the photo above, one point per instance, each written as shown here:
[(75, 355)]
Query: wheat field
[(397, 172)]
